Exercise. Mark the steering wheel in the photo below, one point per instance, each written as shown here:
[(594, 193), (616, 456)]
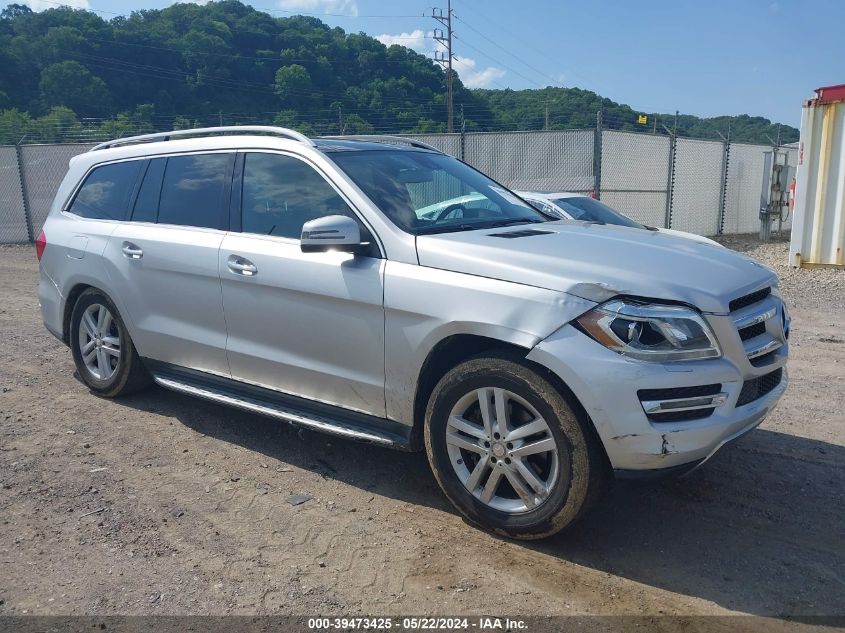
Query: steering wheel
[(445, 212)]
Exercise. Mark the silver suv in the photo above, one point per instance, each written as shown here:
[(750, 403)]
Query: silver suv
[(309, 280)]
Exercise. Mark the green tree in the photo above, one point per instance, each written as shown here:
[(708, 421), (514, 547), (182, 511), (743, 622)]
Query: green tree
[(293, 84), (70, 84)]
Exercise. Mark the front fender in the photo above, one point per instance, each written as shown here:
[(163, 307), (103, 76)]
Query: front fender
[(424, 306)]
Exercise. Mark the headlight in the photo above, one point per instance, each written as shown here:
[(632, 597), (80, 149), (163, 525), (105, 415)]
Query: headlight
[(650, 331)]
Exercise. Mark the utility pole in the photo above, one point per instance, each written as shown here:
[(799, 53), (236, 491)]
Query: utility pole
[(445, 60), (546, 121)]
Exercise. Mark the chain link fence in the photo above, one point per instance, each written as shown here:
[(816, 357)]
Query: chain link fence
[(634, 175), (696, 190), (548, 161), (704, 187), (43, 167), (13, 224)]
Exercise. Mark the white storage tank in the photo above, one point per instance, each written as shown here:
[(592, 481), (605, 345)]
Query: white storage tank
[(818, 227)]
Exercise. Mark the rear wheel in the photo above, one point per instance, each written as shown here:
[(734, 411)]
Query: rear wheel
[(508, 450), (105, 357)]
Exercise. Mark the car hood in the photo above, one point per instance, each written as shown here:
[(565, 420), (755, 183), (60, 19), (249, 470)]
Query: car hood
[(689, 236), (597, 262)]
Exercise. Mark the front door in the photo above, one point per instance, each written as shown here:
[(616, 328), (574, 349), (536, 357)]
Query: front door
[(307, 324)]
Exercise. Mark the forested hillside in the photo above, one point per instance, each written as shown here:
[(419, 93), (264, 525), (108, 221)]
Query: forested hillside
[(71, 74)]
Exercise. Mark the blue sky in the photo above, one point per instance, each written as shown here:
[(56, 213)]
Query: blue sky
[(706, 57)]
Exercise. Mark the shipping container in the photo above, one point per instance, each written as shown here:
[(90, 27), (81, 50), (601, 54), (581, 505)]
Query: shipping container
[(818, 227)]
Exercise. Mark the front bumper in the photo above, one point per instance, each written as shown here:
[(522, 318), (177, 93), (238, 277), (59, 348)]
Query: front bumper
[(606, 385)]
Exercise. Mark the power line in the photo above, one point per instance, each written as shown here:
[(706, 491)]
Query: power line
[(497, 45), (527, 43), (516, 72), (183, 52), (175, 73)]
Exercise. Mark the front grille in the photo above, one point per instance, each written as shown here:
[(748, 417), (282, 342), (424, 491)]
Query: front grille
[(680, 416), (758, 387), (752, 330), (765, 359), (747, 300), (673, 393)]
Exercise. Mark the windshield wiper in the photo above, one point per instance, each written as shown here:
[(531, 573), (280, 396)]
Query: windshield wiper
[(449, 228), (500, 223)]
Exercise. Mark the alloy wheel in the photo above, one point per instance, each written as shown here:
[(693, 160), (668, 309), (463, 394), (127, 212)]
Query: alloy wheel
[(99, 341), (502, 450)]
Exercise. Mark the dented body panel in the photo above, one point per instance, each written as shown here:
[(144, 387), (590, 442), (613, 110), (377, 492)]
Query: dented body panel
[(606, 385), (423, 306)]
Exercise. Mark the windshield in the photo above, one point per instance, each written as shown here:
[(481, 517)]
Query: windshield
[(591, 210), (424, 193)]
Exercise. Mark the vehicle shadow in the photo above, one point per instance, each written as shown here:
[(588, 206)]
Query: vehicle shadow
[(760, 529)]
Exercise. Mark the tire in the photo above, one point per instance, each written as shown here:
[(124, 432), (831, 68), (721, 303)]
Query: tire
[(109, 365), (570, 471)]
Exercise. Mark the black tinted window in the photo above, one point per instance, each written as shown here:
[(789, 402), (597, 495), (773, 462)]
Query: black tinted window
[(192, 190), (281, 193), (146, 205), (105, 193)]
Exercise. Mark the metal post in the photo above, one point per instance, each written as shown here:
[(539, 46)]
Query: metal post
[(597, 156), (463, 133), (670, 178), (446, 62), (30, 232), (723, 185)]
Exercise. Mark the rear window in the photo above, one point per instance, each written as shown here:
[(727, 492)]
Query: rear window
[(106, 191), (192, 190), (591, 210)]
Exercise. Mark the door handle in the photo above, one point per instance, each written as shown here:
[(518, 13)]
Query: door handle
[(131, 251), (241, 266)]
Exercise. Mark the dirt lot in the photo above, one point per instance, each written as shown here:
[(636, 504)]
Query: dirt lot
[(161, 504)]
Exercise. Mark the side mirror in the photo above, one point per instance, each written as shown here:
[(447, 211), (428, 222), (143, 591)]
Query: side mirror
[(331, 233)]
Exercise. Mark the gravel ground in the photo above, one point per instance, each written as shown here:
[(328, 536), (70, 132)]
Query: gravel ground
[(161, 504)]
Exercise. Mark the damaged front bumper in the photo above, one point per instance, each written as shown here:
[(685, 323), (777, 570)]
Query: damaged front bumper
[(606, 385)]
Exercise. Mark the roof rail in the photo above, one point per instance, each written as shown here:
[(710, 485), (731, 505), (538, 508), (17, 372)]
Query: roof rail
[(206, 131), (383, 138)]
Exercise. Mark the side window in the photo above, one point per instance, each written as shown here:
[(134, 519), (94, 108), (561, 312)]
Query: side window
[(192, 190), (105, 193), (281, 193), (146, 204)]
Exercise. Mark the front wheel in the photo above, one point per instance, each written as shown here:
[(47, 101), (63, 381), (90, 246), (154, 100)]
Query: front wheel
[(508, 450), (105, 357)]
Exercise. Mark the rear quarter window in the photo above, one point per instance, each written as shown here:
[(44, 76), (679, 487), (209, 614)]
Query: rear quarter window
[(106, 191)]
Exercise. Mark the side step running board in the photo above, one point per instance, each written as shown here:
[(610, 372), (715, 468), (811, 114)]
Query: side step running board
[(269, 407)]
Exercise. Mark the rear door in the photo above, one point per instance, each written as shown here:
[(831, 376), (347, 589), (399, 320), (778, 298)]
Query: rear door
[(164, 261), (307, 324)]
